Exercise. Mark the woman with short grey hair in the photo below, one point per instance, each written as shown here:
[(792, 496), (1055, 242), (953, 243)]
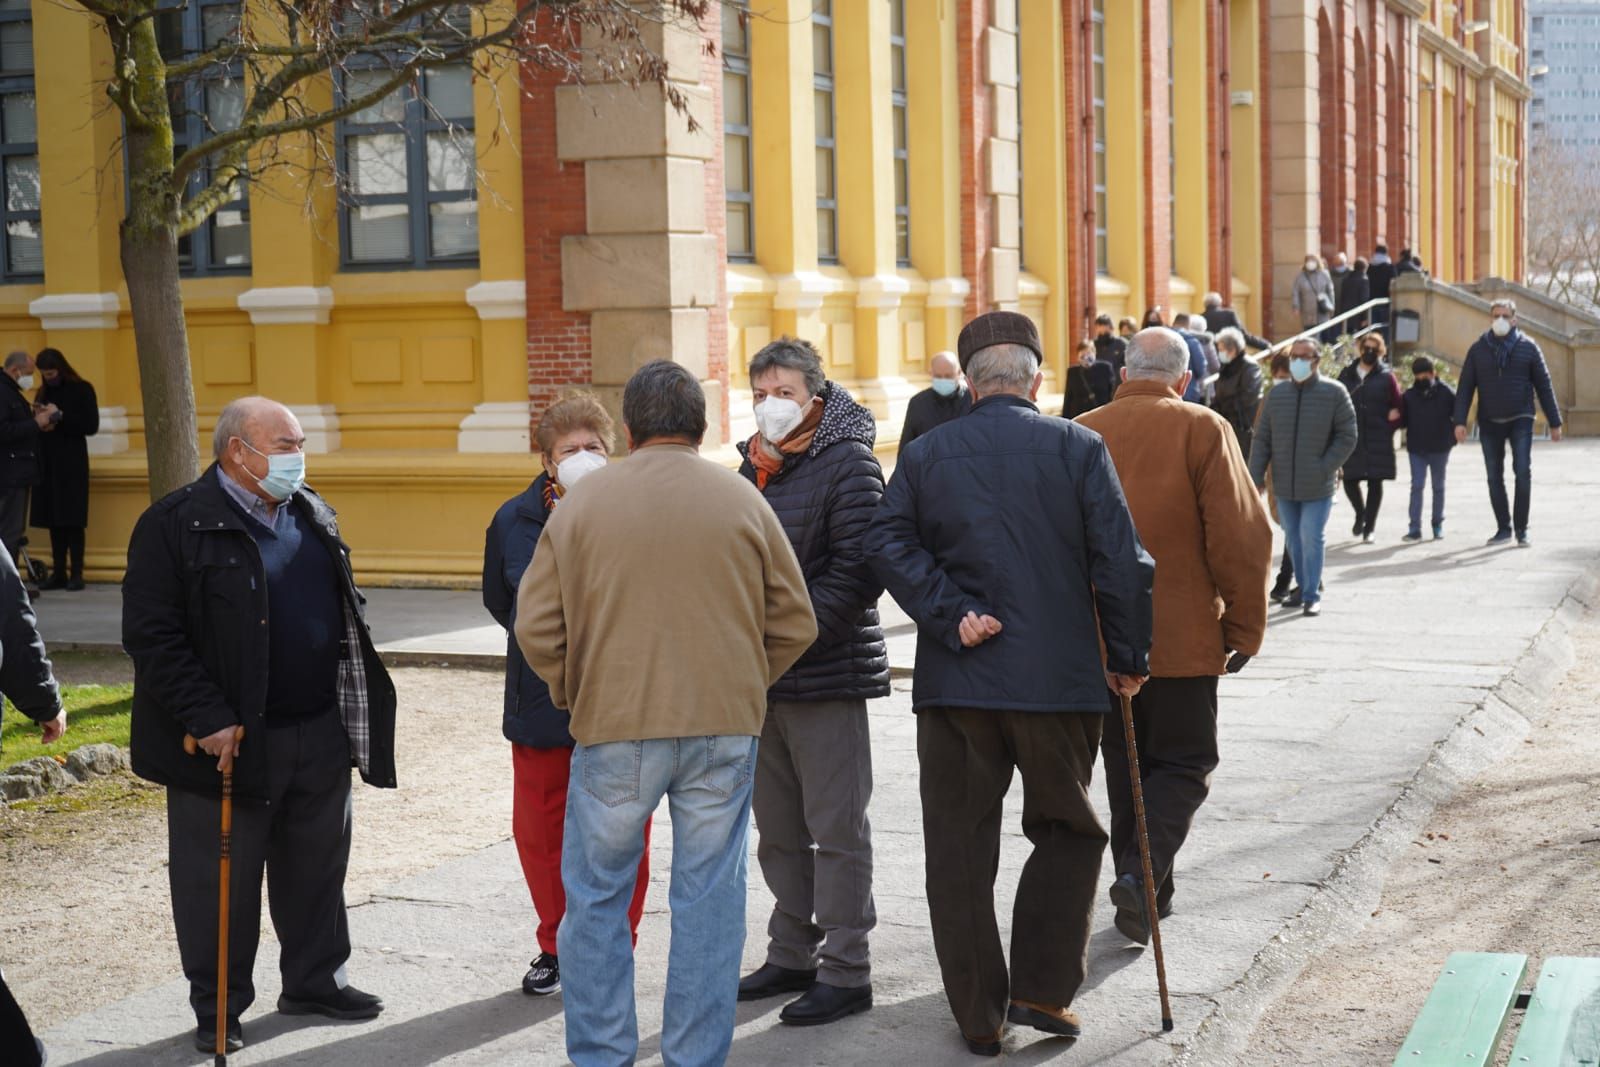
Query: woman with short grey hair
[(1236, 395), (812, 459)]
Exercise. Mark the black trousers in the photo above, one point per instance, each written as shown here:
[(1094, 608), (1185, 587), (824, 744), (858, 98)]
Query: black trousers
[(302, 840), (13, 519), (967, 757), (17, 1044), (1367, 509), (1175, 727), (66, 543)]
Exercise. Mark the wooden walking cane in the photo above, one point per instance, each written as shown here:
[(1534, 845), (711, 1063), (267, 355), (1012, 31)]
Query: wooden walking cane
[(225, 868), (1144, 860)]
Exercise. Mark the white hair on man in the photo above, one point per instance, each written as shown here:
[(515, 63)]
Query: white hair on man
[(1211, 301), (1157, 354), (1231, 338), (1505, 303), (1003, 368), (238, 419)]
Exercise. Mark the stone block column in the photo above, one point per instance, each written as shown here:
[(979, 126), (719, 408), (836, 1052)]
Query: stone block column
[(646, 268), (1002, 166), (1292, 146)]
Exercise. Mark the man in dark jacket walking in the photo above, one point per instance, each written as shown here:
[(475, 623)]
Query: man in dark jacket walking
[(1380, 275), (946, 398), (239, 609), (1426, 411), (812, 460), (1006, 537), (1305, 432), (27, 680), (1219, 318), (1108, 347), (1506, 369)]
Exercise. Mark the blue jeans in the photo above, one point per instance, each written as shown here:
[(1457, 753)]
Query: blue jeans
[(1423, 466), (1304, 524), (1494, 437), (615, 788)]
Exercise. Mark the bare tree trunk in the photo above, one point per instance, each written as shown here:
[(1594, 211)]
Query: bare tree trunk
[(150, 265)]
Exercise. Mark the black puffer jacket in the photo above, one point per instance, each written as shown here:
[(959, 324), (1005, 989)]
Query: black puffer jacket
[(1374, 397), (826, 499)]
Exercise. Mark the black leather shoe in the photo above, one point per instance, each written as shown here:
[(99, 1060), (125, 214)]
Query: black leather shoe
[(824, 1003), (57, 581), (1128, 896), (349, 1004), (205, 1036), (75, 585), (1293, 600), (770, 980), (983, 1046), (1062, 1022)]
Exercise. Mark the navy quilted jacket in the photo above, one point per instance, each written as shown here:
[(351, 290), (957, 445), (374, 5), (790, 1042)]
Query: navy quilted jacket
[(1506, 373), (826, 499)]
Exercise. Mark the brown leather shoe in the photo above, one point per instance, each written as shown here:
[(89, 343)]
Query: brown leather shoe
[(1063, 1022), (984, 1046)]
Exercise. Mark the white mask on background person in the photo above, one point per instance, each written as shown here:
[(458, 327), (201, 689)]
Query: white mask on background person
[(777, 416), (578, 466), (1226, 355), (1500, 326), (25, 382), (946, 386)]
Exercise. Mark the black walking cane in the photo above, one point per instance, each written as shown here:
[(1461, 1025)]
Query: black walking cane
[(191, 746), (1144, 860)]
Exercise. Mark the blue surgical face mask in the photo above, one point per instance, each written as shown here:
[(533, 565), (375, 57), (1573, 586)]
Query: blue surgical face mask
[(286, 472), (946, 386), (1300, 369)]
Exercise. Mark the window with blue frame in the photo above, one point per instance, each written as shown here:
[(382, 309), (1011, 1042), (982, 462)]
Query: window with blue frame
[(203, 106), (409, 171), (21, 244)]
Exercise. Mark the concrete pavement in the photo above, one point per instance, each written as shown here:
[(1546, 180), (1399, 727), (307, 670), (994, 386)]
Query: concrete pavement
[(1324, 736)]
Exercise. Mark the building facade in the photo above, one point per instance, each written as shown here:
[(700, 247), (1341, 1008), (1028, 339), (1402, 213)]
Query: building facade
[(1564, 63), (866, 174)]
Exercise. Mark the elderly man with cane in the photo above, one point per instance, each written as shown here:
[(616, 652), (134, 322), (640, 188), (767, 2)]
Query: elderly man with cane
[(240, 610), (1006, 537), (1197, 511)]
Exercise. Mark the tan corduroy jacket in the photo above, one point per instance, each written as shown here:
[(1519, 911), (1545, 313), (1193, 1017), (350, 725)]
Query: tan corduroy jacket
[(1199, 514), (663, 601)]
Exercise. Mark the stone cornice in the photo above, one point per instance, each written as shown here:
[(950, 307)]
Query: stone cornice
[(1431, 38), (1510, 84), (1415, 8)]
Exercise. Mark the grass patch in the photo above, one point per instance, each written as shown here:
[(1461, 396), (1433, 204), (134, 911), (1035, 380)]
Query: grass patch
[(95, 714)]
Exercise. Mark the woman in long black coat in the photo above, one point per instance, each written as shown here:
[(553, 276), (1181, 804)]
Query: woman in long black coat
[(1238, 389), (61, 499), (1376, 394)]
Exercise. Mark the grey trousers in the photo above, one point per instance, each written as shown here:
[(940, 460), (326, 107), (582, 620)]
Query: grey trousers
[(301, 839), (813, 781), (13, 518)]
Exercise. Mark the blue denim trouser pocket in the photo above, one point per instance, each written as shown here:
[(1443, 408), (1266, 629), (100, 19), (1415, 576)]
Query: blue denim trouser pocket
[(610, 771), (730, 761)]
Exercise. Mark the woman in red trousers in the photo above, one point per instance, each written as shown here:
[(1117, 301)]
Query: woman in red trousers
[(575, 435)]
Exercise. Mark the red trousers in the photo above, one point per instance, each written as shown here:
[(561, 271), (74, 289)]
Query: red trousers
[(538, 814)]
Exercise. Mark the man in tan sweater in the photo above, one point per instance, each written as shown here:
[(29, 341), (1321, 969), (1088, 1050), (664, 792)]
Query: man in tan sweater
[(1198, 513), (663, 602)]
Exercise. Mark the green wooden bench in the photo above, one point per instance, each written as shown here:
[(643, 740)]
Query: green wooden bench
[(1465, 1017)]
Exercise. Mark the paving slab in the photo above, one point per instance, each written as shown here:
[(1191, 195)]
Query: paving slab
[(1319, 737)]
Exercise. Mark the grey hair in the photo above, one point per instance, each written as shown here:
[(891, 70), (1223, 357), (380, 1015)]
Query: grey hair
[(18, 359), (1211, 300), (663, 399), (1504, 302), (791, 353), (1003, 368), (1232, 337), (1157, 353), (235, 421)]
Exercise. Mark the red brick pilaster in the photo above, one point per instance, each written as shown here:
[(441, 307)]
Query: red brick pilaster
[(716, 215), (1264, 299), (553, 207), (1219, 149), (977, 227), (1078, 68), (1157, 152)]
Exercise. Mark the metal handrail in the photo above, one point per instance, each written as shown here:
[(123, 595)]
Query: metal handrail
[(1306, 335)]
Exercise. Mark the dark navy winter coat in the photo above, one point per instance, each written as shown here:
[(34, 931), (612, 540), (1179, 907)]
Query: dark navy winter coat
[(826, 499), (530, 717), (1506, 373), (1018, 515), (1426, 416)]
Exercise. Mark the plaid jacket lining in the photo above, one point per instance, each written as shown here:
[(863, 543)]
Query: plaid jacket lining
[(354, 706)]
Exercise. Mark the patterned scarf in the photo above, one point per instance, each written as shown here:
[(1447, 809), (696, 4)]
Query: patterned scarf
[(796, 444), (552, 494)]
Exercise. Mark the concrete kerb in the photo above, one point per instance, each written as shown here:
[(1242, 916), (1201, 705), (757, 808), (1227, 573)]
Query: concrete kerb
[(1353, 889)]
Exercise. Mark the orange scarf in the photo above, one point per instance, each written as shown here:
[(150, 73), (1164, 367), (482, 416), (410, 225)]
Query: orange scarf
[(796, 444)]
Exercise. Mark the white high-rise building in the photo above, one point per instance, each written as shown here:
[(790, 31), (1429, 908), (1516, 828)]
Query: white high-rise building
[(1564, 44)]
